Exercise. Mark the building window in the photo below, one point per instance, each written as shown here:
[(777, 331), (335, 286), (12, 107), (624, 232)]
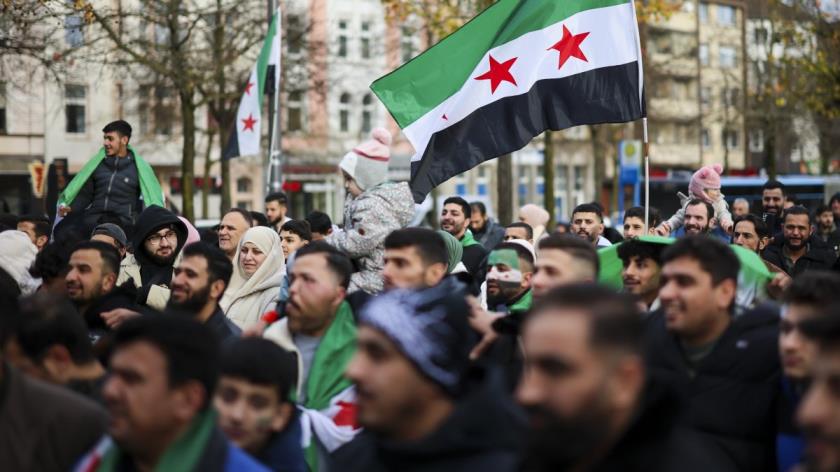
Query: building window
[(703, 12), (164, 110), (295, 35), (244, 204), (294, 111), (705, 95), (3, 129), (704, 54), (706, 138), (342, 38), (757, 140), (760, 35), (367, 113), (344, 113), (74, 34), (243, 185), (407, 43), (74, 108), (726, 15), (727, 57), (730, 97), (365, 40), (730, 138)]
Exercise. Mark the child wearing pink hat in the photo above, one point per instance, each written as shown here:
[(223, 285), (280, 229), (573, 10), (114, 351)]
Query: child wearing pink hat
[(704, 185)]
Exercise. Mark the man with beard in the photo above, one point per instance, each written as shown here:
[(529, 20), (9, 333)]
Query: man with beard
[(319, 327), (414, 258), (591, 404), (233, 225), (803, 300), (454, 219), (827, 230), (276, 209), (158, 238), (421, 405), (819, 413), (484, 229), (91, 286), (511, 266), (588, 223), (750, 232), (698, 218), (797, 251), (198, 284), (727, 366), (772, 205), (641, 264)]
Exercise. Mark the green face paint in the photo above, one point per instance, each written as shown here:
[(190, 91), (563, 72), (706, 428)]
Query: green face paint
[(506, 257)]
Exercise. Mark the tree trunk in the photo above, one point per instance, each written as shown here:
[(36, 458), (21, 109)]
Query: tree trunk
[(188, 151), (226, 203), (548, 178), (504, 188), (205, 182)]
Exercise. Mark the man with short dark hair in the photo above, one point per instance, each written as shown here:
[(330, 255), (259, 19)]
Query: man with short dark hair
[(588, 223), (163, 372), (320, 329), (772, 205), (727, 366), (254, 405), (50, 341), (834, 204), (198, 283), (116, 182), (276, 207), (511, 266), (563, 259), (750, 232), (42, 426), (417, 402), (586, 389), (37, 227), (455, 220), (826, 230), (233, 225), (698, 218), (641, 264), (485, 229), (294, 234), (519, 230), (806, 297), (320, 224), (634, 221), (414, 258), (797, 251)]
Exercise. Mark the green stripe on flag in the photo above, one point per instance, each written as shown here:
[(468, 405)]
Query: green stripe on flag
[(262, 60), (430, 78)]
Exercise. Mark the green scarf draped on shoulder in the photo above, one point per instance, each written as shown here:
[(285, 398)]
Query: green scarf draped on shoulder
[(149, 185), (326, 376), (184, 454), (468, 239)]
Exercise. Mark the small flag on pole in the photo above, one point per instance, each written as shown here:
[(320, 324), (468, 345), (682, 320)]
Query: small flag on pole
[(515, 70), (245, 137)]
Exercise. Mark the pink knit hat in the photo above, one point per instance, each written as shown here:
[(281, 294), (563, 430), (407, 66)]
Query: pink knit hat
[(367, 163), (706, 177)]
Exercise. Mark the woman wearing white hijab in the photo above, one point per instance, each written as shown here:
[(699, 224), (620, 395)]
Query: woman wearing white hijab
[(257, 276)]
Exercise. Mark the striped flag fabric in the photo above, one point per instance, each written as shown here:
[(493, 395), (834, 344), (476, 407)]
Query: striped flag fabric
[(515, 70), (245, 138)]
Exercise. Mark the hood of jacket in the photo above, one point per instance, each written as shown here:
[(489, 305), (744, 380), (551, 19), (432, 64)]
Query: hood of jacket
[(151, 220)]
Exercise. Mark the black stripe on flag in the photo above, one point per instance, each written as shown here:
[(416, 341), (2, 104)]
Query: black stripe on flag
[(605, 95)]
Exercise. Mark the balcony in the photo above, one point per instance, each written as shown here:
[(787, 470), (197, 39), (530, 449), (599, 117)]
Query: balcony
[(671, 109), (683, 155)]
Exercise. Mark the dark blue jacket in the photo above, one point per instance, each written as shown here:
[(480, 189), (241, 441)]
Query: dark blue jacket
[(790, 444), (284, 452)]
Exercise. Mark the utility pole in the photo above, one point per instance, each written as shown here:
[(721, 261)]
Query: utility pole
[(274, 158)]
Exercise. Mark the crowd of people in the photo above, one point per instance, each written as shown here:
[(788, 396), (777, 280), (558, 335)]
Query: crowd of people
[(132, 341)]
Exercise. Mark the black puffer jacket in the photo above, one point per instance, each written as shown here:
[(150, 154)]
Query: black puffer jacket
[(483, 434), (730, 401), (113, 188), (818, 257)]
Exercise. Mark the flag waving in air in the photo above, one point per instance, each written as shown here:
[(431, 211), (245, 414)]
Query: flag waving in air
[(245, 138), (515, 70)]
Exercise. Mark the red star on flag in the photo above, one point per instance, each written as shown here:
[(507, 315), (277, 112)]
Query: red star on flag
[(248, 88), (569, 46), (249, 122), (499, 72)]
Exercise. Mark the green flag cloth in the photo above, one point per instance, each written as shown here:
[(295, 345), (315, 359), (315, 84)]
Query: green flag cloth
[(468, 239), (149, 185), (326, 376)]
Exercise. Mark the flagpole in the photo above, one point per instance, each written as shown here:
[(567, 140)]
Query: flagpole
[(646, 148), (274, 177)]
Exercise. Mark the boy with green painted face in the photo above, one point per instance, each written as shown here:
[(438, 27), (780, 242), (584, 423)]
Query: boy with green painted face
[(510, 267)]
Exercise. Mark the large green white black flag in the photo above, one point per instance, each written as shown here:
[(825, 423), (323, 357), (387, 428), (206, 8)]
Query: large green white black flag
[(515, 70)]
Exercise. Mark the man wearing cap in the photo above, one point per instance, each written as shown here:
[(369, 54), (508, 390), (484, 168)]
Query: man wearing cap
[(373, 208), (112, 234), (416, 400), (116, 181)]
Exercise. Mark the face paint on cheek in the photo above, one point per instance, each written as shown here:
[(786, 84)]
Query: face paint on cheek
[(264, 423), (509, 279)]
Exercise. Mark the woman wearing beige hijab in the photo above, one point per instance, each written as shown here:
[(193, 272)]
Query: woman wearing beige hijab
[(257, 276)]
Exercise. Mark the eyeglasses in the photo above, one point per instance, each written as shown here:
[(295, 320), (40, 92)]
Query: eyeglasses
[(154, 239)]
